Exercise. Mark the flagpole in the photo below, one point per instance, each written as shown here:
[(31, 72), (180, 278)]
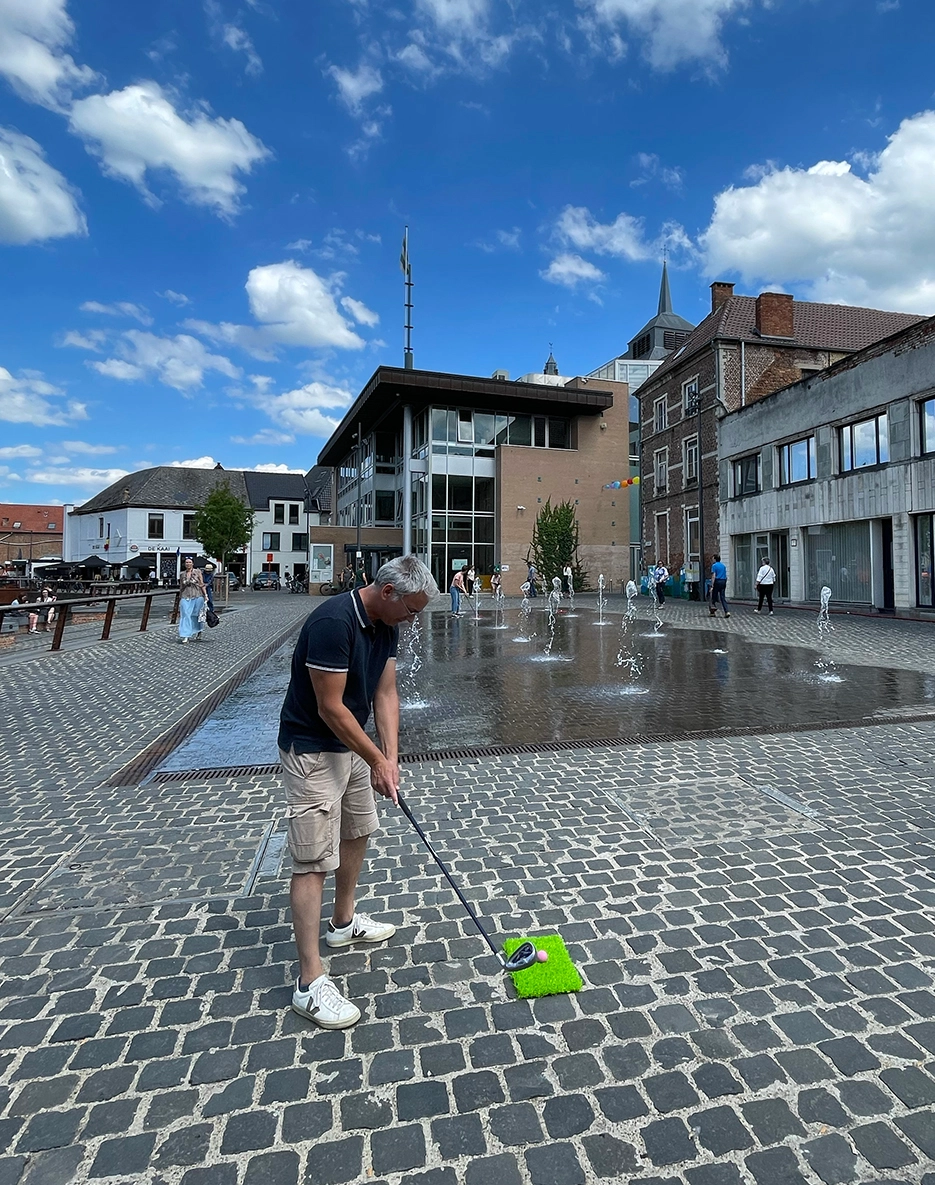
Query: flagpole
[(406, 268)]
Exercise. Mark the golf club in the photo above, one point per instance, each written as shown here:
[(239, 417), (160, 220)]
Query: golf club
[(525, 955)]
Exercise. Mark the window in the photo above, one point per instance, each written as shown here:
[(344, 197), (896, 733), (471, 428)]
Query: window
[(558, 433), (690, 397), (672, 338), (100, 528), (747, 475), (156, 526), (661, 470), (642, 345), (660, 415), (279, 512), (521, 430), (293, 515), (188, 526), (865, 443), (465, 427), (925, 534), (690, 461), (299, 541), (538, 431), (928, 425), (271, 540), (797, 461), (386, 506)]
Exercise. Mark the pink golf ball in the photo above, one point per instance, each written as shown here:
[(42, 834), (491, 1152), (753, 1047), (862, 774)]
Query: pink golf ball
[(542, 956)]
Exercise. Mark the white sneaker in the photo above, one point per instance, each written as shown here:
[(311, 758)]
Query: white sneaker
[(323, 1003), (756, 610), (361, 928)]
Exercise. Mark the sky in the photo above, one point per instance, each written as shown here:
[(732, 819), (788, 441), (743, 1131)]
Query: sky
[(202, 203)]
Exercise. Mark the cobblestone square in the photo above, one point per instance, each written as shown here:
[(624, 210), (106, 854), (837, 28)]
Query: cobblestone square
[(752, 916)]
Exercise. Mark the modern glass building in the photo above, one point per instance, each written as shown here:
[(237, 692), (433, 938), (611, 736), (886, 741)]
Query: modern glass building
[(439, 456)]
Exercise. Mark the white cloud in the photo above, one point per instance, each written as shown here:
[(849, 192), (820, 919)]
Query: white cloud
[(356, 86), (33, 37), (264, 436), (90, 450), (120, 308), (36, 202), (113, 368), (359, 311), (271, 467), (8, 452), (233, 37), (93, 340), (178, 362), (303, 410), (294, 306), (673, 31), (571, 270), (28, 399), (652, 169), (138, 130), (195, 463), (178, 298), (861, 240), (300, 245), (577, 227), (8, 475), (94, 479)]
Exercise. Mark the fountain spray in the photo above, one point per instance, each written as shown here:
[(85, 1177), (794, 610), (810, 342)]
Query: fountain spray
[(601, 600), (825, 663), (555, 598), (626, 655)]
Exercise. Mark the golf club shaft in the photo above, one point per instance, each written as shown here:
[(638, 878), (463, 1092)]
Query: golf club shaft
[(441, 864)]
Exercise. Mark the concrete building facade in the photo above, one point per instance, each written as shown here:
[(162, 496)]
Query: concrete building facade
[(745, 349), (834, 479)]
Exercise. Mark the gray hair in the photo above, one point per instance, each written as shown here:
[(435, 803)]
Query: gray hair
[(408, 576)]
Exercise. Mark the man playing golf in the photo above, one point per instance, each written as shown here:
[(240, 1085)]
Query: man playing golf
[(344, 667)]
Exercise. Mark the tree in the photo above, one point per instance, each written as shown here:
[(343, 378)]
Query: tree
[(223, 525), (555, 543)]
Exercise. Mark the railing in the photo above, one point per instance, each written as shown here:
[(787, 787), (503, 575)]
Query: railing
[(63, 609)]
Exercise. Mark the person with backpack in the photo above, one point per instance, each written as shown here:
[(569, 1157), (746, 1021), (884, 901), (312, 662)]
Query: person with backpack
[(765, 580)]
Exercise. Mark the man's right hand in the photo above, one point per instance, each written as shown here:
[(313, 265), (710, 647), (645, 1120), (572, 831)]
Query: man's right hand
[(384, 777)]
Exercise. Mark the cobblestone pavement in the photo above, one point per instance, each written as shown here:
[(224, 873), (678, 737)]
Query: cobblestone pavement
[(752, 917), (72, 715)]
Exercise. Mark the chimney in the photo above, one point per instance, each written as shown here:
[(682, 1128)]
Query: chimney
[(720, 292), (774, 316)]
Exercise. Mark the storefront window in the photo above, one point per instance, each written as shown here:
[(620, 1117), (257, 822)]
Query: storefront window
[(925, 536), (839, 556)]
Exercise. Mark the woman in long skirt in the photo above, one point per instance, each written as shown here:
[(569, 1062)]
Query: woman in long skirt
[(191, 603)]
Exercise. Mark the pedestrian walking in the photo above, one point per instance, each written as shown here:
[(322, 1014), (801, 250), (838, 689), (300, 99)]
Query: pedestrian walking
[(192, 602), (343, 668), (457, 590), (360, 576), (765, 580), (209, 585), (719, 586), (658, 578), (347, 578), (569, 576), (531, 577)]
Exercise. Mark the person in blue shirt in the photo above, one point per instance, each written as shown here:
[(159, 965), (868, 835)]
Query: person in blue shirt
[(718, 586)]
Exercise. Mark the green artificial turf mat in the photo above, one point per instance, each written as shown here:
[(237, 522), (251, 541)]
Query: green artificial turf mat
[(553, 978)]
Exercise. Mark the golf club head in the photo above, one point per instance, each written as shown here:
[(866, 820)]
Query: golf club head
[(524, 956)]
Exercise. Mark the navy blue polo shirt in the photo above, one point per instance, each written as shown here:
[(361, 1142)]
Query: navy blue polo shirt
[(338, 636)]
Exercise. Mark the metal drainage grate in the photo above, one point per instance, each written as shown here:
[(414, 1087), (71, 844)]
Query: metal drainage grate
[(479, 752)]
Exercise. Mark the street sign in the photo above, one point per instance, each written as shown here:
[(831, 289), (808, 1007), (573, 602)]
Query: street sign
[(269, 558)]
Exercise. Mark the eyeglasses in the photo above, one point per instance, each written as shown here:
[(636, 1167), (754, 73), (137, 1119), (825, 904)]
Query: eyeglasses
[(410, 611)]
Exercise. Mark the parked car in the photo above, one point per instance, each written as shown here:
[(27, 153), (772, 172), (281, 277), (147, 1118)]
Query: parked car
[(265, 580), (234, 581)]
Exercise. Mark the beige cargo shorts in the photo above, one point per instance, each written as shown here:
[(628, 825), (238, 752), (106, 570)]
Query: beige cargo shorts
[(329, 798)]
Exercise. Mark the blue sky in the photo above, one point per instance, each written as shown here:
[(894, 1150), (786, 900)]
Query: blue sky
[(201, 204)]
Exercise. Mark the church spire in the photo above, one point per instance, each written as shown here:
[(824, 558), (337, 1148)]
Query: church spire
[(665, 296), (551, 367)]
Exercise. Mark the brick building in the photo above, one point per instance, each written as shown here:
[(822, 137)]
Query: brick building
[(746, 348), (455, 468), (29, 533)]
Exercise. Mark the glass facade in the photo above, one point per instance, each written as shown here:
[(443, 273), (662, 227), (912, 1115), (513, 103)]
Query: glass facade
[(925, 536), (839, 556)]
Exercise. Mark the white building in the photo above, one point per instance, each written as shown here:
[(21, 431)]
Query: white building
[(147, 518)]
